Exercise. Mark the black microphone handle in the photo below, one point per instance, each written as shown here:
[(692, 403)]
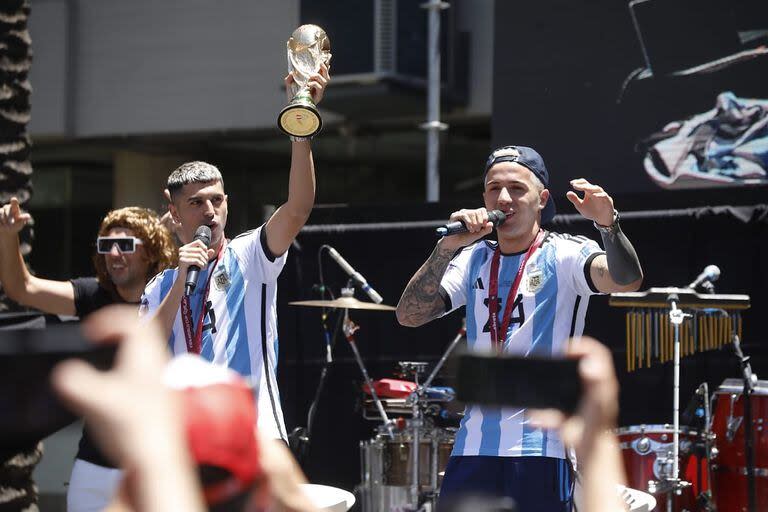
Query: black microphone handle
[(203, 234), (496, 217), (193, 273)]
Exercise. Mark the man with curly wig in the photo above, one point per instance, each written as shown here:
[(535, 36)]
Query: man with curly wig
[(132, 246)]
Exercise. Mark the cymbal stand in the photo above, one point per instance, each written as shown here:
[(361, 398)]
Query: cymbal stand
[(417, 399), (350, 328), (462, 332), (416, 426)]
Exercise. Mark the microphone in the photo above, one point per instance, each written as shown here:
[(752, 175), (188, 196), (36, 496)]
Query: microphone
[(710, 274), (355, 275), (203, 234), (496, 217)]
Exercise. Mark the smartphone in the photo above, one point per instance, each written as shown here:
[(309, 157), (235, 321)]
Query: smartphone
[(29, 408), (537, 383)]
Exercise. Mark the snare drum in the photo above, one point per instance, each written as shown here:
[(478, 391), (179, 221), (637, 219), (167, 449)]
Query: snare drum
[(386, 467), (647, 451), (729, 468)]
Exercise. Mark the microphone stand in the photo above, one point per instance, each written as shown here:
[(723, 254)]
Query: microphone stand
[(350, 328), (302, 435), (749, 378)]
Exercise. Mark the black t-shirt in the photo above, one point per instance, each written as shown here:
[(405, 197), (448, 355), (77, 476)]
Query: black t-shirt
[(90, 296)]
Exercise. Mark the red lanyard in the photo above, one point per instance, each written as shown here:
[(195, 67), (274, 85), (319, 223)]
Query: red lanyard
[(194, 338), (493, 292)]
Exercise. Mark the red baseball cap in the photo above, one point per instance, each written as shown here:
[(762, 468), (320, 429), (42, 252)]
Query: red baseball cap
[(220, 416)]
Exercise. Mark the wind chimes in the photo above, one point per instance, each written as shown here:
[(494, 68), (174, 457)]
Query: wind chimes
[(710, 322)]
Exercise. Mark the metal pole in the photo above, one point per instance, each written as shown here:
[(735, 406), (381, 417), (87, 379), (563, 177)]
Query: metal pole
[(456, 340), (676, 317), (708, 439), (433, 126), (749, 454), (676, 406), (416, 424)]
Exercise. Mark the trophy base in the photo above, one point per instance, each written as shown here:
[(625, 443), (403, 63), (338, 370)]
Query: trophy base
[(300, 120)]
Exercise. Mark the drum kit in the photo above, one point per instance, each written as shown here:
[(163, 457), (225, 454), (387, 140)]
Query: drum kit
[(403, 464), (711, 461), (683, 469)]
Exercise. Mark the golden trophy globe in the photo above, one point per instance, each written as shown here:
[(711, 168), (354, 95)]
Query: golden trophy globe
[(308, 48)]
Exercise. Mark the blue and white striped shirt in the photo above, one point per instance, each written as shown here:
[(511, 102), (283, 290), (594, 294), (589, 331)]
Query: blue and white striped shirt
[(551, 307), (240, 326)]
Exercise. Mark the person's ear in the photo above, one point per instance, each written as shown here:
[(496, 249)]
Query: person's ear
[(543, 198), (171, 207)]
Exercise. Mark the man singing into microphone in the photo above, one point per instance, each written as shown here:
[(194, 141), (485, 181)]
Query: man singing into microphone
[(526, 294), (230, 318)]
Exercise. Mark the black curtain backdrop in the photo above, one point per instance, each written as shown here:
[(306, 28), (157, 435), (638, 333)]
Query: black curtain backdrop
[(674, 247)]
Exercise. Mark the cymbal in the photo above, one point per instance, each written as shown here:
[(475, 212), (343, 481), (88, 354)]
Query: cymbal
[(343, 303)]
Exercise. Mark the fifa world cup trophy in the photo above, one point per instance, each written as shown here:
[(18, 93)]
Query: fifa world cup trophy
[(308, 47)]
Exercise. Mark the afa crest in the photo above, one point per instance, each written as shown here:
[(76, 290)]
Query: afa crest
[(221, 279), (535, 280)]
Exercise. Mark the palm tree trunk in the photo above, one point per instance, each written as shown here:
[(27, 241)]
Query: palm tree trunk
[(17, 489), (15, 90)]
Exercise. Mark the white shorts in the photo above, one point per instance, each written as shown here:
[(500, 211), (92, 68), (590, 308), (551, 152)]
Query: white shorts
[(91, 487)]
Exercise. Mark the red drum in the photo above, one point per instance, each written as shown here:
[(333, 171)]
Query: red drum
[(729, 467), (647, 452)]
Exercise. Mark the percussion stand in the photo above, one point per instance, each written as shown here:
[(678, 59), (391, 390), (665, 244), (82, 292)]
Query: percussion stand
[(749, 380), (417, 399), (671, 298), (706, 496), (674, 485)]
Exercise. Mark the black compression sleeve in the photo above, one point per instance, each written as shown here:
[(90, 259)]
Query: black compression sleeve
[(623, 264)]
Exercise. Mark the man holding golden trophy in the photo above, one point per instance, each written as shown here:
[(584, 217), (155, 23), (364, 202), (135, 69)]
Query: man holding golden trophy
[(309, 53)]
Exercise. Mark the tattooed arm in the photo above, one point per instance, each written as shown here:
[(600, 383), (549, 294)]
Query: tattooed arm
[(421, 301)]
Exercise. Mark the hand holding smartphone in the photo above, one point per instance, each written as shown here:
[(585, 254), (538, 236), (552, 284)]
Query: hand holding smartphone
[(29, 409), (530, 382)]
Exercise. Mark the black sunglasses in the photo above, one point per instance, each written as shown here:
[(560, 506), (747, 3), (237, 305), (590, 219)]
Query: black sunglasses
[(125, 244)]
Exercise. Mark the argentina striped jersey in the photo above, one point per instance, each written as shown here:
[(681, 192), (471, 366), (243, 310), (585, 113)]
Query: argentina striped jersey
[(240, 323), (550, 307)]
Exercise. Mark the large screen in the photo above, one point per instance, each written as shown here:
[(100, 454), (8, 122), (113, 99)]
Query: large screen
[(638, 96)]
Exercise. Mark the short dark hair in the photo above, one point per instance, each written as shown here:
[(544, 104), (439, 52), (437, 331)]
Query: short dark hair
[(192, 172)]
